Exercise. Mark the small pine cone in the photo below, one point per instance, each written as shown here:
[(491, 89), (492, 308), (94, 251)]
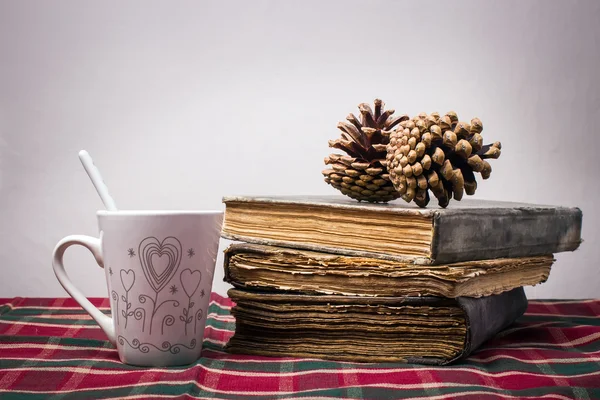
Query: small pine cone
[(361, 181), (438, 154), (362, 173)]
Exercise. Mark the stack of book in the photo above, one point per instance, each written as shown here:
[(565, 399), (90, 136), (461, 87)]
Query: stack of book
[(326, 277)]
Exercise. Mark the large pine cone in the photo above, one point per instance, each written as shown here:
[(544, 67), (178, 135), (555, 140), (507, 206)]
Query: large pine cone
[(440, 154), (362, 174)]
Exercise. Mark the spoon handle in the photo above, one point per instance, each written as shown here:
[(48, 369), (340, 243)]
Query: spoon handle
[(94, 174)]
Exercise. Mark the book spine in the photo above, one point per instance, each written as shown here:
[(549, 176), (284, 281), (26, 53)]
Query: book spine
[(485, 318), (490, 233)]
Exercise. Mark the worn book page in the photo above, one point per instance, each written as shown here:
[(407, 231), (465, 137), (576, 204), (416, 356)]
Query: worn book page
[(273, 268)]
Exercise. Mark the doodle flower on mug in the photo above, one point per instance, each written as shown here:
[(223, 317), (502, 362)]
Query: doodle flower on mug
[(127, 280), (190, 281), (159, 261)]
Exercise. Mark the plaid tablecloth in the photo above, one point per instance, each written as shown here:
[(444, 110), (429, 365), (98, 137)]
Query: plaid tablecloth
[(51, 349)]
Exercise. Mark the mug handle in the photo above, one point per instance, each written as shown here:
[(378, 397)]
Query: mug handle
[(94, 245)]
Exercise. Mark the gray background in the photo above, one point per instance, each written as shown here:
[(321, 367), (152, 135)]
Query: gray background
[(181, 103)]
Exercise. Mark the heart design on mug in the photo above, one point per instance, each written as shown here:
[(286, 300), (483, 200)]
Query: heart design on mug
[(159, 260), (127, 279), (160, 263), (190, 281)]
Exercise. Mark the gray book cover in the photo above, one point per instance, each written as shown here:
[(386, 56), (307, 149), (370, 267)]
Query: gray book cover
[(464, 231)]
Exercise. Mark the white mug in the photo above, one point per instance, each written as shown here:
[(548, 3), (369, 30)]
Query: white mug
[(159, 267)]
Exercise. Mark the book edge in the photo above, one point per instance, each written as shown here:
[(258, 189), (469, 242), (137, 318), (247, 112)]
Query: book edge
[(378, 207), (250, 248), (324, 249), (383, 207)]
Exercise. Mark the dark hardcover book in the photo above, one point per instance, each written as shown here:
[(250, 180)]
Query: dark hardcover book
[(465, 231), (424, 330), (269, 268)]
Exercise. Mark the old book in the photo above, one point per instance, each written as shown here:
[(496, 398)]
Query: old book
[(465, 231), (426, 330), (271, 268)]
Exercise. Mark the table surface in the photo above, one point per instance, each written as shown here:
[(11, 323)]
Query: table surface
[(50, 348)]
